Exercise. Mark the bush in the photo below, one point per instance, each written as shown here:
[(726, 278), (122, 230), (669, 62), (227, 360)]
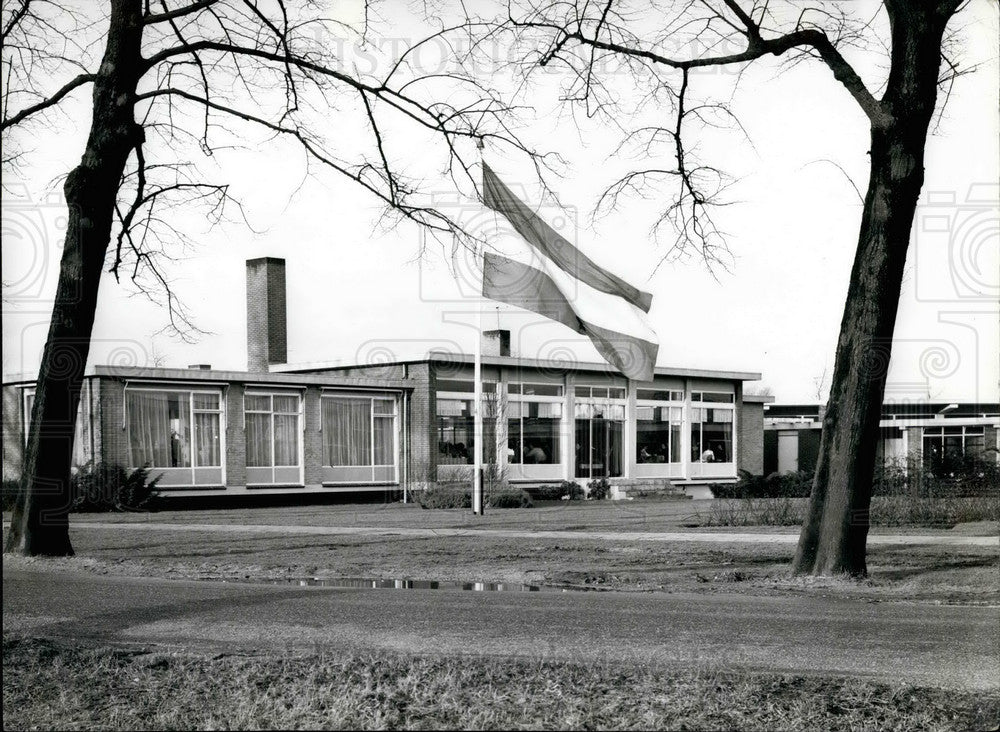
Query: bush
[(549, 492), (598, 490), (572, 490), (108, 487), (445, 497), (775, 485), (510, 498)]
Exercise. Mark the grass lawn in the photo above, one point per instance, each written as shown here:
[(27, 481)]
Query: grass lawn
[(53, 686), (919, 572)]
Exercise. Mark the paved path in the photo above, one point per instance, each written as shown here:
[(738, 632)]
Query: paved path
[(700, 536), (939, 645)]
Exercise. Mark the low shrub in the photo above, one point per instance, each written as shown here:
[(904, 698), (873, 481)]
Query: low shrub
[(445, 497), (598, 490), (783, 511), (775, 485), (510, 498), (548, 492), (111, 487), (572, 490)]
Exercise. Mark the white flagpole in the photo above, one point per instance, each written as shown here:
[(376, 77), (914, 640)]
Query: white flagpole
[(477, 390), (477, 480)]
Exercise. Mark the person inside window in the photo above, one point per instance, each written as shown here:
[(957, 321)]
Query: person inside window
[(708, 456), (535, 454)]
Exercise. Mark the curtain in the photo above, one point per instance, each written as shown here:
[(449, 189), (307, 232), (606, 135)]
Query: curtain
[(384, 452), (152, 439), (286, 438), (347, 431), (258, 439), (208, 440)]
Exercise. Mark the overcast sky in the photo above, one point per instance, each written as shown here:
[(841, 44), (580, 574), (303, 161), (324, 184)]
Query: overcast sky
[(360, 293)]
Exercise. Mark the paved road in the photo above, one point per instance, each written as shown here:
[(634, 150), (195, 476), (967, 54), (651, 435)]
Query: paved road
[(949, 646), (712, 537)]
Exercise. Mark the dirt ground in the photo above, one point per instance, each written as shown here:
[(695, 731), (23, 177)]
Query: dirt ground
[(926, 573)]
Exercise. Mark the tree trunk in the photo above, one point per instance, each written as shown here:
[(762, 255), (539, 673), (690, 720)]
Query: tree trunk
[(40, 523), (835, 532)]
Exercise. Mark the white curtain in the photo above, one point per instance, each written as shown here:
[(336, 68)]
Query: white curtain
[(258, 439), (154, 438), (347, 425), (208, 439), (286, 439)]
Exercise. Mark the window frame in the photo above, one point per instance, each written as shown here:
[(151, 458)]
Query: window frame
[(519, 398), (377, 473), (173, 477), (277, 474)]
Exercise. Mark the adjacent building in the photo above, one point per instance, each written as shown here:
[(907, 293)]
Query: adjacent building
[(937, 434), (278, 428)]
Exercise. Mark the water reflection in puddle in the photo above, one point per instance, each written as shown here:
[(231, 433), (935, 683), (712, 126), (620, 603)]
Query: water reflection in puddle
[(410, 584), (407, 584)]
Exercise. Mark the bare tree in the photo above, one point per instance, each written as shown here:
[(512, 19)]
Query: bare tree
[(169, 76), (660, 48)]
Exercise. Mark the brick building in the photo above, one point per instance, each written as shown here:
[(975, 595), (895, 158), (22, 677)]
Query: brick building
[(278, 428), (938, 434)]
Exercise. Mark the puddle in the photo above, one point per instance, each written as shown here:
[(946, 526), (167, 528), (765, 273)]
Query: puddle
[(411, 584)]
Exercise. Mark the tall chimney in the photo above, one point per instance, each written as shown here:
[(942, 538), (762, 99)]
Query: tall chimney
[(496, 342), (267, 340)]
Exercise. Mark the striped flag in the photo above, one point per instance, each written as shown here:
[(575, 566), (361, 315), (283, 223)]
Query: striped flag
[(549, 276)]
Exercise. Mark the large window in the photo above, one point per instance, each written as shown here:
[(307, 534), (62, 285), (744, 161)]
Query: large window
[(711, 435), (272, 436), (600, 426), (659, 418), (456, 422), (534, 421), (359, 438), (945, 448), (176, 432)]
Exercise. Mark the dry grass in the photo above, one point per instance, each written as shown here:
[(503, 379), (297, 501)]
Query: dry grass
[(900, 510), (51, 686)]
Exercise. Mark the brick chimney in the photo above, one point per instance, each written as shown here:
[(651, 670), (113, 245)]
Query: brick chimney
[(496, 342), (267, 340)]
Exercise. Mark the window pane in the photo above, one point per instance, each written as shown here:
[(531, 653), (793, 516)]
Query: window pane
[(582, 391), (542, 389), (206, 401), (454, 385), (256, 403), (209, 440), (159, 429), (384, 453), (347, 432), (258, 440), (286, 404), (385, 407), (654, 394), (541, 440), (615, 393), (514, 440), (286, 439), (513, 387)]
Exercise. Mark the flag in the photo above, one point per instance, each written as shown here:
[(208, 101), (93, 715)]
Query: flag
[(551, 277)]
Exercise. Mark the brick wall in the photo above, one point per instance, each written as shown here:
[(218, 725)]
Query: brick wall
[(267, 340), (312, 440), (751, 437), (236, 439)]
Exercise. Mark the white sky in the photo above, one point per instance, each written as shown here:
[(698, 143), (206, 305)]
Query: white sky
[(360, 295)]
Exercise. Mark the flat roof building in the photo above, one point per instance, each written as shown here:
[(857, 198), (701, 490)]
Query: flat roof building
[(278, 428)]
